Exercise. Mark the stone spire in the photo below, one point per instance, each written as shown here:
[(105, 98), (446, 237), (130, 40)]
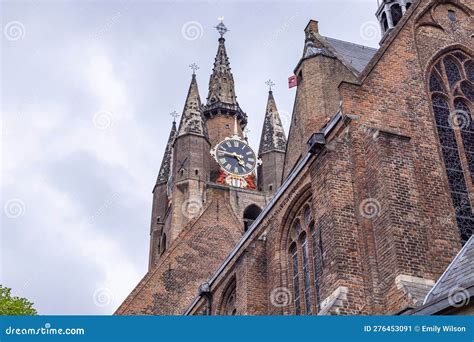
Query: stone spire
[(273, 136), (221, 98), (165, 168), (192, 121), (221, 83)]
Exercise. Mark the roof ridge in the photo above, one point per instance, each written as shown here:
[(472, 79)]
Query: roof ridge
[(355, 44)]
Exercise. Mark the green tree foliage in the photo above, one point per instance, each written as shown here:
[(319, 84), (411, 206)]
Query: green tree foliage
[(14, 306)]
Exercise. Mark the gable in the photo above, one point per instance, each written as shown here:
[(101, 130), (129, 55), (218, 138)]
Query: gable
[(171, 285)]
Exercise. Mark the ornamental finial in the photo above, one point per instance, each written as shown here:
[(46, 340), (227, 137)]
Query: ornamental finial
[(221, 28), (270, 84), (194, 67), (175, 115)]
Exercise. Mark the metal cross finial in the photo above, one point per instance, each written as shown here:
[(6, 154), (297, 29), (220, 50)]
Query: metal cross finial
[(194, 67), (270, 84), (247, 130), (174, 115), (221, 28)]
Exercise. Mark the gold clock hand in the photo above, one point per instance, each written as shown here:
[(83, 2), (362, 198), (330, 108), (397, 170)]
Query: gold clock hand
[(238, 156), (235, 155)]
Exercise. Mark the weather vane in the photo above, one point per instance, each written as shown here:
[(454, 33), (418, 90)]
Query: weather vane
[(194, 67), (174, 115), (221, 28), (270, 84)]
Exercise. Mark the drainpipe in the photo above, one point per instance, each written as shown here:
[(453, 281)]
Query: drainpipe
[(205, 292)]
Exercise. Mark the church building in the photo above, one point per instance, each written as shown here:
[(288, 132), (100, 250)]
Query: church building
[(365, 208)]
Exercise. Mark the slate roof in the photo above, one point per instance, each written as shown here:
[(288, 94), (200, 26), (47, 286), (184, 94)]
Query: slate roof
[(192, 120), (273, 136), (164, 173), (221, 83), (358, 56), (221, 96), (458, 275)]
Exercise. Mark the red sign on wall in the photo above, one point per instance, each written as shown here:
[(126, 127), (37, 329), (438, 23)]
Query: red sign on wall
[(292, 81)]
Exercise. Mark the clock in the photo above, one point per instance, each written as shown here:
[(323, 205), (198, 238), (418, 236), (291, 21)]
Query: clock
[(235, 157)]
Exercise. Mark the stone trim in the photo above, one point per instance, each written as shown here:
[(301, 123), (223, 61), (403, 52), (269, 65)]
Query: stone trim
[(414, 287), (334, 302)]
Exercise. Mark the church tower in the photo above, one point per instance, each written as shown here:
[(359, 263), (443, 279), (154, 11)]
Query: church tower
[(272, 148), (222, 108), (190, 167), (206, 195)]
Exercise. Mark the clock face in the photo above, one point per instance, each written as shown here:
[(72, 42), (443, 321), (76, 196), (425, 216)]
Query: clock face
[(236, 157)]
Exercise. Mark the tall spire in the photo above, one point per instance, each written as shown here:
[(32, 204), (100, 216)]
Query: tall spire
[(221, 83), (165, 168), (221, 98), (192, 121), (273, 135)]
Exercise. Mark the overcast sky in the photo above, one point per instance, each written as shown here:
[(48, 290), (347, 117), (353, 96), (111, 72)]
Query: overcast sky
[(86, 92)]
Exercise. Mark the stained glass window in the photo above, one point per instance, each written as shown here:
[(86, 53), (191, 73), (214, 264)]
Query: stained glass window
[(452, 70), (467, 132), (468, 90), (308, 217), (230, 308), (435, 83), (469, 66), (316, 263), (304, 261), (459, 55), (297, 227), (296, 278), (306, 275), (452, 113)]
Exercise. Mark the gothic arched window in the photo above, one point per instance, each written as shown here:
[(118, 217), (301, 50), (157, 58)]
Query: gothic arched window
[(306, 275), (317, 265), (451, 87), (296, 277), (302, 262), (229, 301)]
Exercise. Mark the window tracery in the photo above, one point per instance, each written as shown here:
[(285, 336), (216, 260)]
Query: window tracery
[(451, 87), (303, 256)]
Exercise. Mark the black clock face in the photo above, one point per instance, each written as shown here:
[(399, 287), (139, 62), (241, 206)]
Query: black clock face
[(236, 157)]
